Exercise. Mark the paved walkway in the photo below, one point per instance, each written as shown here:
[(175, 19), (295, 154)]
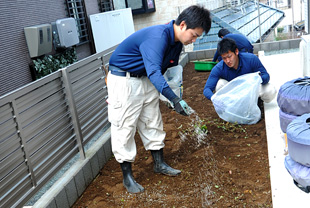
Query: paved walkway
[(282, 68)]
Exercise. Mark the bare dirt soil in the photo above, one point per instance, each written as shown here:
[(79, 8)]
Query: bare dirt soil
[(223, 164)]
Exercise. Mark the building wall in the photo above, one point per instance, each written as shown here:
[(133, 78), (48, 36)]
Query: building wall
[(167, 10), (86, 50), (17, 14), (14, 55)]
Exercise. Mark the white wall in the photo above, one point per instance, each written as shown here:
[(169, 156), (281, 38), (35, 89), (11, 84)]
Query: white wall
[(166, 10)]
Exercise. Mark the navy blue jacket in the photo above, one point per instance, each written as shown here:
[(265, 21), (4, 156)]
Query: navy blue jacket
[(242, 42), (150, 51), (248, 63)]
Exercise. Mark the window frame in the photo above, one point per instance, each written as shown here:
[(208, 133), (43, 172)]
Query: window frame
[(144, 9), (76, 9), (106, 5)]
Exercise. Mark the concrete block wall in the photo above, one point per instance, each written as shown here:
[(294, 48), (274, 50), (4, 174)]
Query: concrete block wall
[(267, 47), (201, 54), (183, 59), (277, 45), (72, 184)]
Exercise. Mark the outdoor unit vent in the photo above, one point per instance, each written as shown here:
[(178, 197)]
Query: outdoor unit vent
[(65, 33), (304, 48), (39, 39)]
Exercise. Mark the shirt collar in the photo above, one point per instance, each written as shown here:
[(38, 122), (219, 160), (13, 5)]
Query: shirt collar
[(171, 32), (240, 62)]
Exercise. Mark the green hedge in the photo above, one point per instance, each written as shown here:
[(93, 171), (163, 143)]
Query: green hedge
[(51, 63)]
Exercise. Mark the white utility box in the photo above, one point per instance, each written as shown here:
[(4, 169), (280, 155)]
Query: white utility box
[(65, 33), (111, 28), (39, 39)]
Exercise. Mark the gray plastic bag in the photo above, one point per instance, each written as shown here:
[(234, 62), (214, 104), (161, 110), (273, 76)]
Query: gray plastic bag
[(300, 173), (174, 78), (236, 102)]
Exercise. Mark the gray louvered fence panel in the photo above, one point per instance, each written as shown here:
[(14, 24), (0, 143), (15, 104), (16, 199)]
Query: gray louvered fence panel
[(42, 131), (43, 124), (14, 174), (90, 96)]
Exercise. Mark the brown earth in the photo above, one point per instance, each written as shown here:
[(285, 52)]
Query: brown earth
[(223, 164)]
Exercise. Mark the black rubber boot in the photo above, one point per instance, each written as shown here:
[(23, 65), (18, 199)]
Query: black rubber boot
[(129, 182), (160, 166)]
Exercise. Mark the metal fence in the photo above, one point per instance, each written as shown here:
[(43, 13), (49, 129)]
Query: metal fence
[(44, 124)]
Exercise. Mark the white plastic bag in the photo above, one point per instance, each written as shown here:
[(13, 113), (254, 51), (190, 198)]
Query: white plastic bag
[(174, 78), (236, 102)]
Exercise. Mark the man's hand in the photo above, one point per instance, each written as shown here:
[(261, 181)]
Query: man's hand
[(180, 106)]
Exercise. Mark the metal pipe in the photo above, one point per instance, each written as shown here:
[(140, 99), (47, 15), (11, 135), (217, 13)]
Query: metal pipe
[(292, 3), (260, 31)]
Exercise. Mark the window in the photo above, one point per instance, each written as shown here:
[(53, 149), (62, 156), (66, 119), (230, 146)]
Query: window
[(141, 6), (76, 9), (105, 5)]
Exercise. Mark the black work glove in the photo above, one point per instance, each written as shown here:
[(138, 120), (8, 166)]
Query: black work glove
[(180, 106)]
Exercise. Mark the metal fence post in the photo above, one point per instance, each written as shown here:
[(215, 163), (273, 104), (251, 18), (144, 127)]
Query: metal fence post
[(24, 143), (73, 111)]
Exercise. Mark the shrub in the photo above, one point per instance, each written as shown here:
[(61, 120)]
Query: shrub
[(51, 63)]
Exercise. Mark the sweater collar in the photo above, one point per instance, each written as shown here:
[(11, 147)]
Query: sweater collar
[(171, 32)]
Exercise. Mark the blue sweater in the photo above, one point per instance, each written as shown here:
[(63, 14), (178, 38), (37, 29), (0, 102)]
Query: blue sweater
[(242, 42), (150, 51), (248, 63)]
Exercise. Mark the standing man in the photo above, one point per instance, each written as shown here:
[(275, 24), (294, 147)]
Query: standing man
[(134, 82), (242, 42), (235, 64)]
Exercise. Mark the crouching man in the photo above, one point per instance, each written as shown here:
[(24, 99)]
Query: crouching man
[(234, 64)]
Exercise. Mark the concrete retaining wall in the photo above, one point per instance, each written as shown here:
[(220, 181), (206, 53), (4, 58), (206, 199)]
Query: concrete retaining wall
[(268, 46), (73, 183)]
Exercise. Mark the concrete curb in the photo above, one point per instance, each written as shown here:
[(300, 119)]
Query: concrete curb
[(72, 184)]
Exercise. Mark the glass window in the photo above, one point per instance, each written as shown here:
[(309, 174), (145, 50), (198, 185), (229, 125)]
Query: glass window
[(106, 5), (140, 6)]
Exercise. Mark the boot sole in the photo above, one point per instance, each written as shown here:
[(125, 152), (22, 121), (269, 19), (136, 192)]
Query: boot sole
[(168, 174)]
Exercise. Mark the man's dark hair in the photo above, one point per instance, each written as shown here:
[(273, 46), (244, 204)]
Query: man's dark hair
[(225, 45), (223, 32), (195, 17)]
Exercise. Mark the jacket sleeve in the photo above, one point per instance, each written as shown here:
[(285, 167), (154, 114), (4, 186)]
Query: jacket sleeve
[(152, 52), (260, 67), (211, 82), (216, 55)]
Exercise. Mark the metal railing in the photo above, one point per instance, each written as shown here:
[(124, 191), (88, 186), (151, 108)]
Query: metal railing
[(45, 123)]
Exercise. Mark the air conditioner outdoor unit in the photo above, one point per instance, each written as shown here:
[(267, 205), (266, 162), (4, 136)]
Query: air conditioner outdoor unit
[(65, 33), (39, 39)]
